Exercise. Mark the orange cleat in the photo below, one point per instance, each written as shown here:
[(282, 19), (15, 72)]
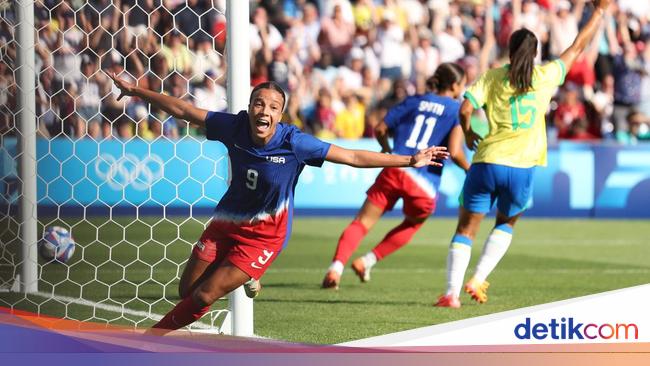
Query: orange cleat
[(331, 280), (359, 267), (448, 301), (477, 290)]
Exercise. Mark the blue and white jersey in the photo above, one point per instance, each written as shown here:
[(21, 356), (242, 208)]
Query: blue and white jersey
[(418, 122), (258, 204)]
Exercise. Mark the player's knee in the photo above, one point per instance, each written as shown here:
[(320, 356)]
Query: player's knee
[(206, 298), (414, 222)]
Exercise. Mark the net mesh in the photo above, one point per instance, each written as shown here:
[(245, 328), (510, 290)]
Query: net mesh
[(133, 185)]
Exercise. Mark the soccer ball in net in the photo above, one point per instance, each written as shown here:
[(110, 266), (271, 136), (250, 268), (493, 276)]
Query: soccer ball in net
[(57, 244)]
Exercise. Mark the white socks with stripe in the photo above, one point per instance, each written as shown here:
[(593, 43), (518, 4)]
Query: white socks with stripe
[(369, 260), (496, 246), (337, 267), (460, 251)]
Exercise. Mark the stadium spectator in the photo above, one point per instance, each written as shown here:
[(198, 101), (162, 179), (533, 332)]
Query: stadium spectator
[(177, 54), (336, 36), (206, 59), (570, 111), (350, 121), (210, 94), (400, 39), (88, 98), (263, 35)]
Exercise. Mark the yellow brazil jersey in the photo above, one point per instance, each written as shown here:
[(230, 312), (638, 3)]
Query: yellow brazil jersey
[(517, 136)]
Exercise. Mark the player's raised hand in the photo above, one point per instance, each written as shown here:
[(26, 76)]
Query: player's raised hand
[(126, 88), (429, 156), (601, 4)]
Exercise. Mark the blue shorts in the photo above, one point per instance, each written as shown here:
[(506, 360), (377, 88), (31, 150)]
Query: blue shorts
[(510, 187)]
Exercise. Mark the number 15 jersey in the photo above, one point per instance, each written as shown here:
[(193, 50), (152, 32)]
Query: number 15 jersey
[(517, 136), (418, 122)]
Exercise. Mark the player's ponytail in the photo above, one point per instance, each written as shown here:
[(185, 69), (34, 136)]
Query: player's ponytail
[(523, 50), (446, 75)]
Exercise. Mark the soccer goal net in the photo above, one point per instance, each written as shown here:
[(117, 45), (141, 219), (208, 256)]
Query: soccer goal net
[(133, 186)]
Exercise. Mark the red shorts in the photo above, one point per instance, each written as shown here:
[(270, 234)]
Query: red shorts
[(393, 184), (216, 244)]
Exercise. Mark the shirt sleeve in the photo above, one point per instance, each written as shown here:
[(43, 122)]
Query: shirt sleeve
[(477, 92), (221, 126), (554, 72), (397, 113), (308, 149)]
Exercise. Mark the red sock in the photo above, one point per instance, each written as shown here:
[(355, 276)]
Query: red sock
[(396, 238), (349, 241), (184, 313)]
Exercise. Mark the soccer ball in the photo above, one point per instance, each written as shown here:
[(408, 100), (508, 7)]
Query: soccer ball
[(57, 244)]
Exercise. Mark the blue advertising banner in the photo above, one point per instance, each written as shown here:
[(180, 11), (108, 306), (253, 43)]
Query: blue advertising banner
[(581, 180)]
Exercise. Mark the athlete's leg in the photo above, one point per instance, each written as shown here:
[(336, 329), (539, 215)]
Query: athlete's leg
[(207, 253), (194, 269), (224, 279), (476, 200), (366, 218), (460, 249), (398, 236), (514, 188), (349, 241), (496, 245), (395, 239)]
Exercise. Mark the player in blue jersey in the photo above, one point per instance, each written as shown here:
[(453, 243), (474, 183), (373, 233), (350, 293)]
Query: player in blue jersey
[(252, 221), (417, 122)]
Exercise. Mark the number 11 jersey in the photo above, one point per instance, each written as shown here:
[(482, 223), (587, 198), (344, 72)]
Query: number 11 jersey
[(418, 122)]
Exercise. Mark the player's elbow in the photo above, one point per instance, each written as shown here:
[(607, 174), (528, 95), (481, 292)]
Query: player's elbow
[(355, 160)]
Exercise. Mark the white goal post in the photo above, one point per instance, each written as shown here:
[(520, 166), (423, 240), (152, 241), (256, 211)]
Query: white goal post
[(134, 203)]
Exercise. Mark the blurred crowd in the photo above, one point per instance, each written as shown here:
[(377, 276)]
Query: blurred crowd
[(343, 62)]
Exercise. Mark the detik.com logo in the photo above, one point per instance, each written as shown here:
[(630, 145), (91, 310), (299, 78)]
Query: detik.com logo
[(569, 328)]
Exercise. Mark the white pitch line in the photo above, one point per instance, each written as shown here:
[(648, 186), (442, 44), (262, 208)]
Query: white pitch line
[(112, 308)]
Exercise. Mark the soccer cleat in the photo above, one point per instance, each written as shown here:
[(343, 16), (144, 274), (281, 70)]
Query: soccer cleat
[(331, 280), (359, 267), (252, 288), (448, 301), (477, 290)]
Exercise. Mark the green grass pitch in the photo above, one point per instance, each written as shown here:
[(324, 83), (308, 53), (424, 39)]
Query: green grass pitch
[(549, 260)]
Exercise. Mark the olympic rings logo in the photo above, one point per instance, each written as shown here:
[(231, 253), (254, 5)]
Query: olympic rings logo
[(129, 171)]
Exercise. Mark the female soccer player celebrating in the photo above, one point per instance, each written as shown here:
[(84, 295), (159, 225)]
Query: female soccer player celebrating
[(515, 98), (422, 120), (252, 221)]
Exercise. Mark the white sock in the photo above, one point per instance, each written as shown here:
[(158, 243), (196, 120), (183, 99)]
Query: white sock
[(496, 246), (337, 267), (460, 251), (369, 260)]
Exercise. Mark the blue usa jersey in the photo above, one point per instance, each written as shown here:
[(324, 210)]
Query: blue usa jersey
[(258, 204), (418, 122)]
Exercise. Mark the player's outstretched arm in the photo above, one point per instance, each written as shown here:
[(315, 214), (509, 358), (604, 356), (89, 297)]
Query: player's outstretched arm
[(176, 107), (586, 34), (370, 159)]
